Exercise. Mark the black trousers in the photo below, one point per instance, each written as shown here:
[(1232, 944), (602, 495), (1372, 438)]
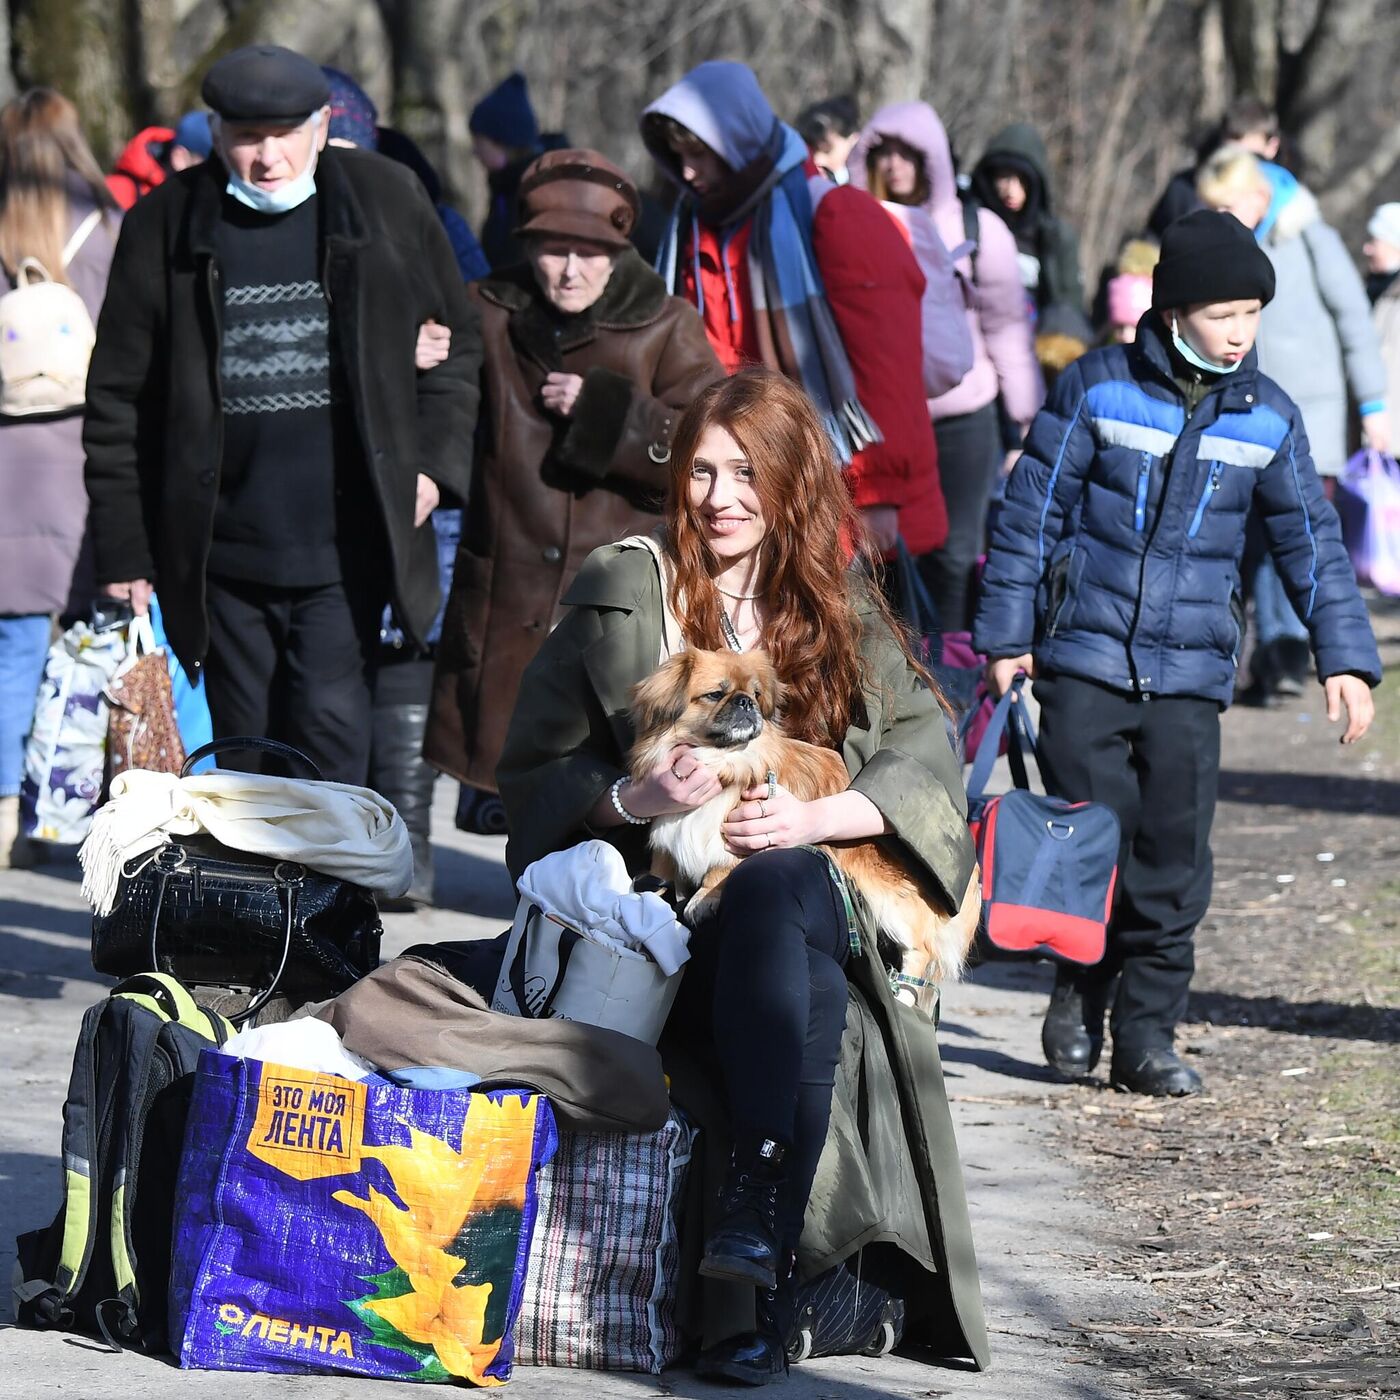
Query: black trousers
[(294, 664), (765, 984), (1157, 764), (969, 458)]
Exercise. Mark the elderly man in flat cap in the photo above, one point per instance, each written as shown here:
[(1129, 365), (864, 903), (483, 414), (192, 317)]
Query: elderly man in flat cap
[(260, 446)]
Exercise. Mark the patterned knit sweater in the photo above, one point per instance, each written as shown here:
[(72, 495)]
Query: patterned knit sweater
[(289, 446)]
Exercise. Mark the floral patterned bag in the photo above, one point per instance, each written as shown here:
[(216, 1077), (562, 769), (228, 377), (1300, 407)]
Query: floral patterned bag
[(66, 749), (142, 730), (328, 1224)]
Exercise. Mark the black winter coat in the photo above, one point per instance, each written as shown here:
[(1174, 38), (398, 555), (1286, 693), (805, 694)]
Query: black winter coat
[(154, 423)]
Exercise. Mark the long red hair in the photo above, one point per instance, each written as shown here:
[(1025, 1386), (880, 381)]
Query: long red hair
[(815, 541)]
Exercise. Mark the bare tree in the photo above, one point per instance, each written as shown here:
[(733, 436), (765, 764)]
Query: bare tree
[(1119, 88)]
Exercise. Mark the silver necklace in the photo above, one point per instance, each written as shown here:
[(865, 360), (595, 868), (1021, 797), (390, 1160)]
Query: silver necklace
[(739, 597)]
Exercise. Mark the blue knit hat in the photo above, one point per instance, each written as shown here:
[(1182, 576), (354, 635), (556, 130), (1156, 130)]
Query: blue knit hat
[(193, 134), (354, 118), (506, 117)]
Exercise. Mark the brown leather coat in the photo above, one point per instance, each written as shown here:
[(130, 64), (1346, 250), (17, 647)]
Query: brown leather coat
[(549, 490)]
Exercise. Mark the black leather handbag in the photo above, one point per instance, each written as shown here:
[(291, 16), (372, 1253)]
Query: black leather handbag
[(219, 918)]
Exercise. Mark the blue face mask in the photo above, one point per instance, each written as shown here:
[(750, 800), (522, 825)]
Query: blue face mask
[(1193, 357), (284, 198)]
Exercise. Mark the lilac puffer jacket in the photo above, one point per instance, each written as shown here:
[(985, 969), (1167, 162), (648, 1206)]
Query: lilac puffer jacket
[(1003, 352)]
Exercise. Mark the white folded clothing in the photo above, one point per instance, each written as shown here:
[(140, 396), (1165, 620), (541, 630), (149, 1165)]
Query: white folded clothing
[(588, 888)]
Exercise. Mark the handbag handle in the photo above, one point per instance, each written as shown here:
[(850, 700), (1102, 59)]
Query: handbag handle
[(568, 941), (215, 746), (1009, 718), (287, 891)]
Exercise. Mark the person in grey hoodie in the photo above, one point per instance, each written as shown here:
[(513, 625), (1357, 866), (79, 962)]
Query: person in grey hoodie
[(903, 157), (1317, 340)]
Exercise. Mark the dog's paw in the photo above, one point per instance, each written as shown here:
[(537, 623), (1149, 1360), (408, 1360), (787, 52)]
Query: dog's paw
[(700, 906)]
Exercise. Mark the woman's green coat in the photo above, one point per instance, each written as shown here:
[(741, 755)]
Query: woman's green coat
[(890, 1173)]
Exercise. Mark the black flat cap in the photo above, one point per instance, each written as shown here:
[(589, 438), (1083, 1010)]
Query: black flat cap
[(263, 82)]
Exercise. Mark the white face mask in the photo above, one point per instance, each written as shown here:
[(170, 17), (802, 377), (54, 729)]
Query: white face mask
[(285, 197), (1194, 357)]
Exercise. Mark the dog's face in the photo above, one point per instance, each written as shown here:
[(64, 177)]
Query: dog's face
[(712, 699)]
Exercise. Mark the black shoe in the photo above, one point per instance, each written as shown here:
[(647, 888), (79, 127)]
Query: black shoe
[(1291, 661), (1159, 1073), (743, 1247), (760, 1356), (480, 813), (1069, 1046)]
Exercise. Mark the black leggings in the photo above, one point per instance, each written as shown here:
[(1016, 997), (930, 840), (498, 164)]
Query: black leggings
[(765, 981)]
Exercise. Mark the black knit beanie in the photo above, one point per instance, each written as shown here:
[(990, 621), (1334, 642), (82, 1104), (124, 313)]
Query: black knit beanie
[(1209, 256)]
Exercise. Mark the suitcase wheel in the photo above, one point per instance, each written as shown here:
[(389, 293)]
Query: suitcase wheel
[(883, 1342), (800, 1347)]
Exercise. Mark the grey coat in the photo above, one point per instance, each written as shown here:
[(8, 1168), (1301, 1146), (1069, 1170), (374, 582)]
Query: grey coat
[(1316, 339), (43, 503)]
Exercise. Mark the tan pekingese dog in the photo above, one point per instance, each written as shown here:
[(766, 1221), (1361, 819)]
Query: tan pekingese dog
[(727, 705)]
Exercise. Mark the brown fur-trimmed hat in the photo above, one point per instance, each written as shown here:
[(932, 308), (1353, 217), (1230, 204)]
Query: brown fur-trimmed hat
[(578, 194)]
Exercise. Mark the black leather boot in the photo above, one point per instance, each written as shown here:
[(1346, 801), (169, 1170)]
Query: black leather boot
[(743, 1247), (1072, 1033), (1160, 1073), (398, 772), (760, 1356), (1292, 661)]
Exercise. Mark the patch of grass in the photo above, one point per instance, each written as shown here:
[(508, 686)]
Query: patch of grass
[(1362, 1094), (1377, 946)]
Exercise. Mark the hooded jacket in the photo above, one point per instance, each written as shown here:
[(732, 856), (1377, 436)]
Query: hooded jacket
[(870, 277), (1117, 555), (1316, 337), (1003, 352), (1039, 233)]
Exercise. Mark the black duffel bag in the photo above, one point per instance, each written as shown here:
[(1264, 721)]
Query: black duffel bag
[(228, 920)]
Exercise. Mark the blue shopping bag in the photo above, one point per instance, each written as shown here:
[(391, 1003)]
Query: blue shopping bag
[(329, 1224)]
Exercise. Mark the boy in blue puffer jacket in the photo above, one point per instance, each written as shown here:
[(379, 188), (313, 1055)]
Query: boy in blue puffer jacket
[(1113, 578)]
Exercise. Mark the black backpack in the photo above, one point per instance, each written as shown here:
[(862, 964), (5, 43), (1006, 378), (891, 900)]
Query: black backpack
[(103, 1265)]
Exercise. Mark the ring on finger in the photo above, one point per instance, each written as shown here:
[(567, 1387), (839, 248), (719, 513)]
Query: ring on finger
[(769, 846), (762, 810)]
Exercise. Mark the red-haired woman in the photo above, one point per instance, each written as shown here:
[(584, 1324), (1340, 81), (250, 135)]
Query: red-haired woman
[(754, 553)]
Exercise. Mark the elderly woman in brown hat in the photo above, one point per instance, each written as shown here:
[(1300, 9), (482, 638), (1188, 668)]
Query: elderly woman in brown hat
[(588, 364)]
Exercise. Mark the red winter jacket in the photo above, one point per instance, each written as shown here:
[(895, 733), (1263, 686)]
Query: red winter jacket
[(875, 289), (139, 169)]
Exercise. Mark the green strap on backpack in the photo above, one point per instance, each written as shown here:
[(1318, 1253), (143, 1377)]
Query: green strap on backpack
[(101, 1266)]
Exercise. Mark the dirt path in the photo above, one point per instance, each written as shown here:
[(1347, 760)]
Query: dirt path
[(1246, 1243)]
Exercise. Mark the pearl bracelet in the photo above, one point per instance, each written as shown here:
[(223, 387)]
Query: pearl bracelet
[(622, 811)]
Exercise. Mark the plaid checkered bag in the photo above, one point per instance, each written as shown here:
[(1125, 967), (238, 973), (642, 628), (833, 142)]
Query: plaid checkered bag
[(600, 1289)]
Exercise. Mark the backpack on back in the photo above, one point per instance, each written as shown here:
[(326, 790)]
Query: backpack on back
[(102, 1265), (46, 337), (947, 339)]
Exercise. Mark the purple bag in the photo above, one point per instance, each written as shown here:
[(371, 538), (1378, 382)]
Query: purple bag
[(1368, 502), (328, 1224)]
